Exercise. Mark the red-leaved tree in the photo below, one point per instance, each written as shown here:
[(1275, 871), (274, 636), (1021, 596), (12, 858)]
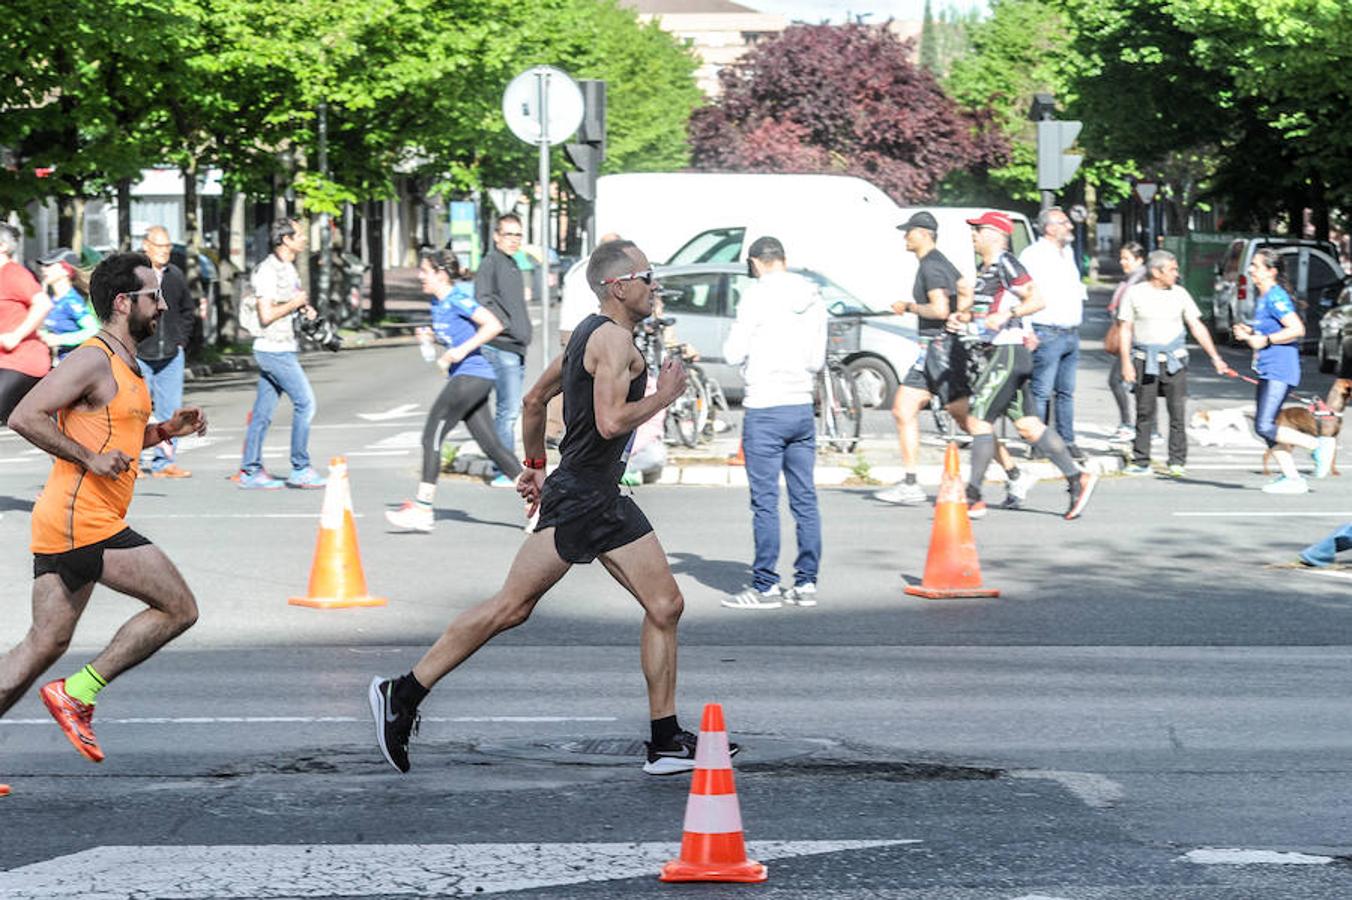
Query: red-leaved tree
[(844, 99)]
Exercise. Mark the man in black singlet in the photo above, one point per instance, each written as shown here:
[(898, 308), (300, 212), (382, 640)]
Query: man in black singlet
[(583, 516)]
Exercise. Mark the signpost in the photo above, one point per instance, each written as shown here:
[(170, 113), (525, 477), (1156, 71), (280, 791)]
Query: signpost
[(543, 106)]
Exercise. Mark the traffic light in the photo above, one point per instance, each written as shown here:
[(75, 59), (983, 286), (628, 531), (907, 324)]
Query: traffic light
[(1055, 167), (589, 150)]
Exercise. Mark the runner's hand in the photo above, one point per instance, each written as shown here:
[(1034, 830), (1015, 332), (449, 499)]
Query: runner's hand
[(996, 320), (109, 465), (672, 379), (186, 421), (1222, 367), (529, 484), (455, 354), (954, 323)]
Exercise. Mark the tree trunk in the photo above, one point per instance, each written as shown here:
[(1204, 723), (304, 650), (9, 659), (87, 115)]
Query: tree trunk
[(375, 224), (1320, 210), (77, 225), (191, 238), (124, 214), (65, 221)]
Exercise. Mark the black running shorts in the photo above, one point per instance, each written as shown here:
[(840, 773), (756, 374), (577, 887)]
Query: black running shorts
[(84, 565), (583, 539), (942, 371), (1005, 387)]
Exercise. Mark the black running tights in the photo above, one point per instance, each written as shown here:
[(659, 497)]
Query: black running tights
[(464, 399)]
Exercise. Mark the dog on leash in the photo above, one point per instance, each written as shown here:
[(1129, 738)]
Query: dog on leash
[(1215, 427)]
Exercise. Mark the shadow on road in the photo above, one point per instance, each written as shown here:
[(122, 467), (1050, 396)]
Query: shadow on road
[(725, 575)]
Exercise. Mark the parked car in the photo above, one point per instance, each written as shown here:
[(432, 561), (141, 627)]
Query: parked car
[(703, 298), (1312, 267), (1335, 336)]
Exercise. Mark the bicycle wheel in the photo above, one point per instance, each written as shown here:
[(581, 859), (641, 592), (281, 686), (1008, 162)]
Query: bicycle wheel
[(688, 410), (843, 416)]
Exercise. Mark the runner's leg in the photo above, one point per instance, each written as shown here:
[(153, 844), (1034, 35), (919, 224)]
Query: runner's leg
[(146, 574), (536, 569), (481, 426), (56, 611), (906, 411), (641, 567)]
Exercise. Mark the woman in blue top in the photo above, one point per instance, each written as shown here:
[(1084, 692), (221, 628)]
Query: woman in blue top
[(71, 320), (1274, 334), (462, 326)]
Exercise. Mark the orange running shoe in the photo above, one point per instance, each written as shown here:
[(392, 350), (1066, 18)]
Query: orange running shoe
[(4, 790), (74, 717)]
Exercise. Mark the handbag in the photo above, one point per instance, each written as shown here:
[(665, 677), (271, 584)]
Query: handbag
[(1112, 339)]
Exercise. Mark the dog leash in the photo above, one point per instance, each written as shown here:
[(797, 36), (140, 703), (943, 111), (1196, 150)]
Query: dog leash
[(1315, 405)]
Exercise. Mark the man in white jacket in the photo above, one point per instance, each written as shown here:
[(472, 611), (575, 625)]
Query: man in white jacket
[(780, 340)]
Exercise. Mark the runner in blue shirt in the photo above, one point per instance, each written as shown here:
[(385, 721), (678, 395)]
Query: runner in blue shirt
[(71, 320), (1275, 334), (462, 326)]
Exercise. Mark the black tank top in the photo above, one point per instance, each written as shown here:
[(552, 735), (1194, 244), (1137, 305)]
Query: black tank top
[(589, 472)]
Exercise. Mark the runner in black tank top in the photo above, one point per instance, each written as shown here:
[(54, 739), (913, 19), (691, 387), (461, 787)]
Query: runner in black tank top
[(583, 516)]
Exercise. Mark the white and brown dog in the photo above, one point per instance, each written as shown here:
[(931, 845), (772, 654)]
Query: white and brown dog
[(1234, 425)]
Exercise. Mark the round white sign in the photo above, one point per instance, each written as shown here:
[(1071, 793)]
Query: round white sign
[(562, 100)]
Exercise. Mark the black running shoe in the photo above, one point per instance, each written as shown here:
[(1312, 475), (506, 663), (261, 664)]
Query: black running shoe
[(1081, 487), (677, 756), (394, 724)]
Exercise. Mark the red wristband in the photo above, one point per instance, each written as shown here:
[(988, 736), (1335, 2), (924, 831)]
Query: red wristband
[(532, 463), (161, 434)]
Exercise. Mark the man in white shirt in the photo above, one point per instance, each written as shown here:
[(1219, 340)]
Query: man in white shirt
[(780, 340), (1051, 263)]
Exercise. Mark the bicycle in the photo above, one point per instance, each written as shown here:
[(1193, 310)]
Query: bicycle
[(836, 405), (691, 416)]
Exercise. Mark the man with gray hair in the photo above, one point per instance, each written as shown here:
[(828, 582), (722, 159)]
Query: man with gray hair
[(1051, 263), (24, 357), (161, 356), (1156, 316)]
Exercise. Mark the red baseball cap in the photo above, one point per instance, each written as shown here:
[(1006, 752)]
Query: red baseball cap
[(997, 220)]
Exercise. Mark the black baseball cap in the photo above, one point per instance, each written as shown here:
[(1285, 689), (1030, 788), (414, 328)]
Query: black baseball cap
[(921, 219)]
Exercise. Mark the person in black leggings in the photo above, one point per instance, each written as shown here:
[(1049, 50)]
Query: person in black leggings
[(462, 326)]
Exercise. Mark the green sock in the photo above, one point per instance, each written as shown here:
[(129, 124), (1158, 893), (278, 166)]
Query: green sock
[(85, 685)]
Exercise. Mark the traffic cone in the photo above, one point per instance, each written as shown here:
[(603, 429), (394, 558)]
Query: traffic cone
[(712, 848), (248, 417), (740, 458), (4, 790), (336, 577), (951, 569)]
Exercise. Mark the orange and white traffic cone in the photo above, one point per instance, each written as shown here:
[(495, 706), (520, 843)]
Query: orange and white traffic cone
[(951, 569), (740, 458), (336, 577), (712, 848), (4, 790)]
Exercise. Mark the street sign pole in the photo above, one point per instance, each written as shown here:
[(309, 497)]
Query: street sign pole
[(542, 278)]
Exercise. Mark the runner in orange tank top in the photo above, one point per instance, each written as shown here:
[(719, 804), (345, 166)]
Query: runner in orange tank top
[(90, 413)]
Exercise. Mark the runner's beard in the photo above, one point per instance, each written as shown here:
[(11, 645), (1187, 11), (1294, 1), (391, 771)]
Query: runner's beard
[(142, 328)]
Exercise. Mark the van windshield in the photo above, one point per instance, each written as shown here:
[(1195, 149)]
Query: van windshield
[(714, 245)]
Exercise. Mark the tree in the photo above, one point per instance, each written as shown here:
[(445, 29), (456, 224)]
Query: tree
[(847, 99)]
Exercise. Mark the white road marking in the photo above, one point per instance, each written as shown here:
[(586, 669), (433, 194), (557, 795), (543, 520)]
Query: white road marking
[(1327, 573), (1213, 856), (378, 453), (352, 870), (234, 516), (1093, 790), (310, 720), (401, 441), (398, 412), (1263, 514)]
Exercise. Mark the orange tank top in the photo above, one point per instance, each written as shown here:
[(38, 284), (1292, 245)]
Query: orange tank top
[(78, 508)]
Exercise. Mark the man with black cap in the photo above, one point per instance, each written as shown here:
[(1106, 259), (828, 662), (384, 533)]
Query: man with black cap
[(780, 340), (943, 368)]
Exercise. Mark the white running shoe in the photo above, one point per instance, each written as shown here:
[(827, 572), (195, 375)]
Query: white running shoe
[(754, 599), (411, 517), (1323, 456), (1019, 487), (1123, 434), (1284, 485), (903, 494), (801, 595)]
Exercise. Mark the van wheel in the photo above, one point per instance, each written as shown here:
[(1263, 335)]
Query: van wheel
[(873, 382), (1326, 365)]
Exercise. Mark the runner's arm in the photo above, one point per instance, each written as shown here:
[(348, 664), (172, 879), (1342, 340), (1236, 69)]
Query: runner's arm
[(966, 294), (533, 415), (66, 386), (609, 351), (490, 326), (185, 421)]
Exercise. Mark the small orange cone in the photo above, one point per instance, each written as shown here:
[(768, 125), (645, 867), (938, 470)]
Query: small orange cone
[(4, 790), (951, 569), (712, 848), (336, 577), (740, 458)]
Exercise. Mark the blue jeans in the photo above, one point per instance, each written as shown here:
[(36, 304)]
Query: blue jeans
[(1054, 363), (279, 373), (1322, 553), (509, 375), (164, 380), (782, 439), (1268, 401)]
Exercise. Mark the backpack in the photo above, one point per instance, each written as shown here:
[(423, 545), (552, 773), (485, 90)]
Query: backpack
[(248, 309)]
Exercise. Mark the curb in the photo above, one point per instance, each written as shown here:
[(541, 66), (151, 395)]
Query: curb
[(366, 339)]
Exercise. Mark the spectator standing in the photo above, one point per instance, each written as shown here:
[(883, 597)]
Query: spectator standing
[(1156, 316), (577, 302), (1274, 335), (280, 296), (499, 288), (1050, 261), (779, 338), (1132, 258), (24, 358), (162, 355), (71, 320)]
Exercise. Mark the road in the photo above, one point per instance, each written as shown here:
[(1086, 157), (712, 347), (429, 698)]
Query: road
[(1148, 685)]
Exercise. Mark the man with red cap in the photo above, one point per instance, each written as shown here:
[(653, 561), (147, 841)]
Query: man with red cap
[(1009, 295)]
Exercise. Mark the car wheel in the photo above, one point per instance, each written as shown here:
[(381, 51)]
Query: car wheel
[(874, 382), (1326, 364)]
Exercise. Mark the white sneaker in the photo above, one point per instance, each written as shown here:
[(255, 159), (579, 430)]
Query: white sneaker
[(1284, 485), (1323, 456), (903, 494), (1019, 487), (754, 599), (801, 595), (1123, 433), (411, 517)]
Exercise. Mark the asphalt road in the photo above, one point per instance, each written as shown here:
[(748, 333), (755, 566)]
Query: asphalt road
[(1147, 686)]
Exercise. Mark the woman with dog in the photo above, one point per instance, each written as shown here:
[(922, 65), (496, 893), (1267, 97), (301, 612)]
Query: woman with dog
[(1274, 335)]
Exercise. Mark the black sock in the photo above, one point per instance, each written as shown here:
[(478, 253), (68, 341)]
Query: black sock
[(1012, 473), (910, 478), (664, 730), (408, 692)]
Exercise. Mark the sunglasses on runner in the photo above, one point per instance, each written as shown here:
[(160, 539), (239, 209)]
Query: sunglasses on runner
[(158, 293), (646, 276)]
